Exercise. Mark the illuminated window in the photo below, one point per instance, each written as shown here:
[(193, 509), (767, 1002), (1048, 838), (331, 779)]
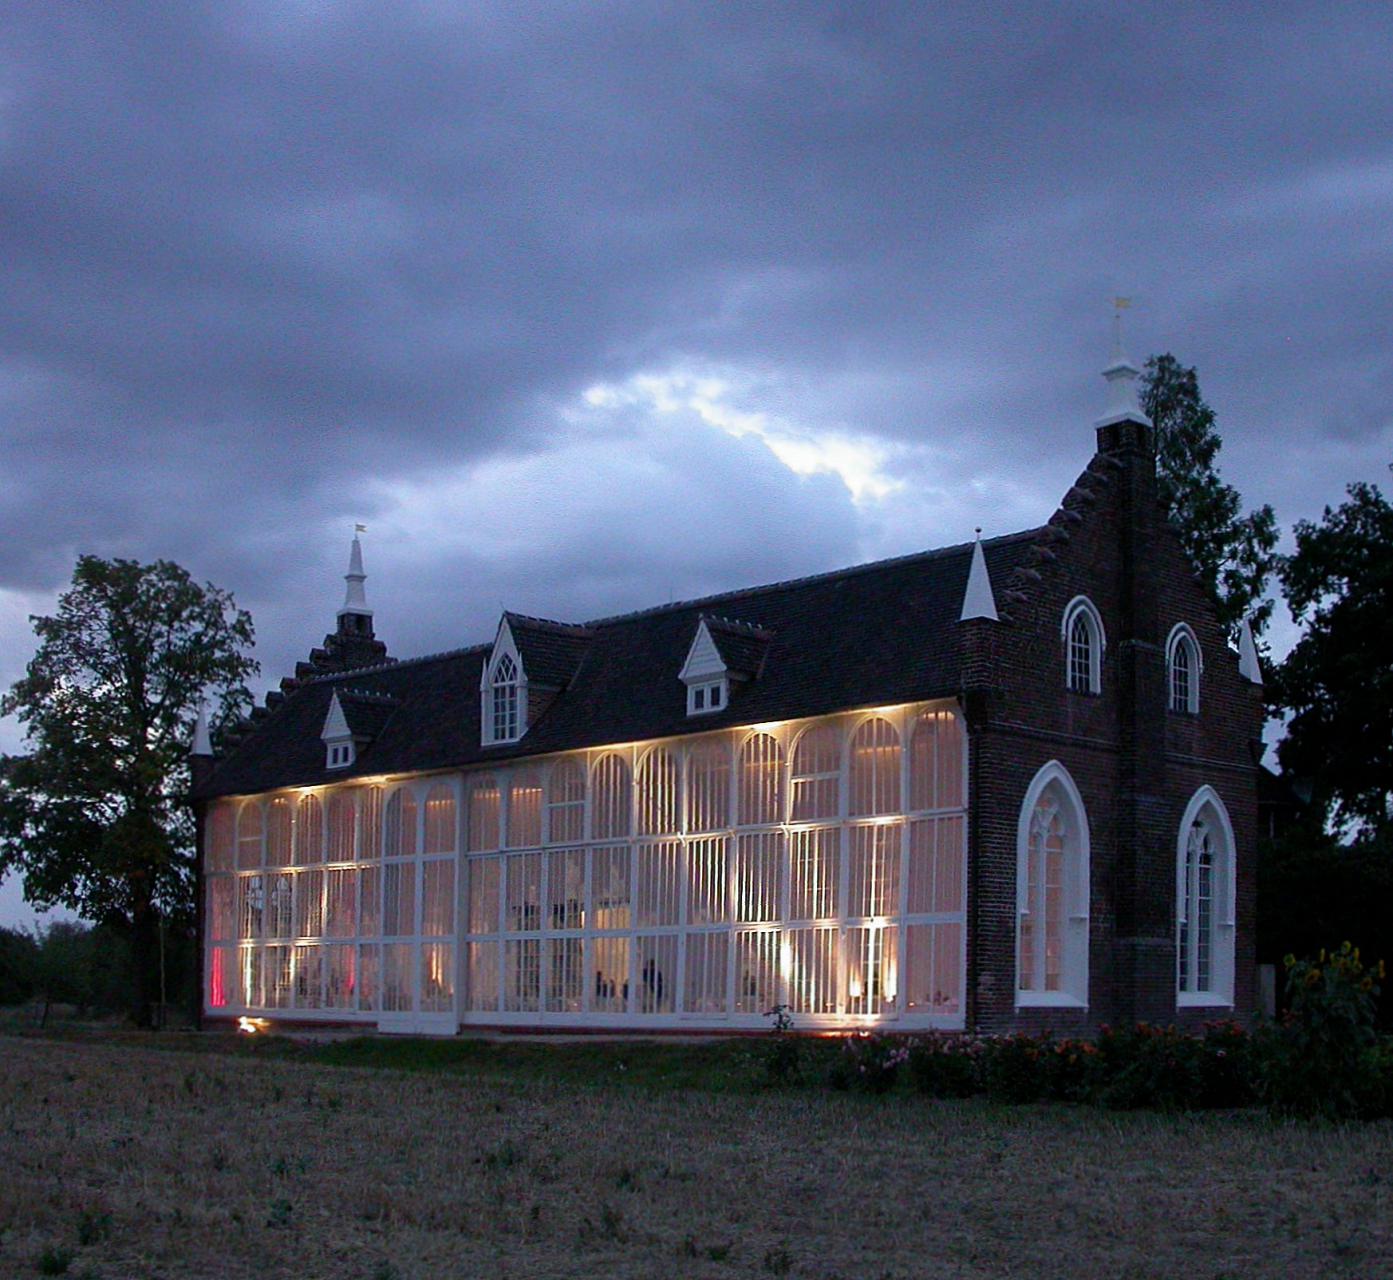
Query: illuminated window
[(936, 761), (1084, 643), (484, 815), (708, 786), (659, 801), (761, 772), (610, 798), (280, 827), (309, 831), (400, 824), (525, 809), (566, 802), (219, 840), (1052, 890), (342, 817), (1183, 665), (875, 768), (440, 820), (504, 700), (249, 855), (1204, 903), (817, 773)]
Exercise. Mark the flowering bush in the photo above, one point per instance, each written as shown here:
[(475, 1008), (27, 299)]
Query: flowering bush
[(1016, 1068), (945, 1066), (869, 1063)]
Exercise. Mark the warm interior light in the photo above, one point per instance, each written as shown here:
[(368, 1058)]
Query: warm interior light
[(853, 988), (252, 1026)]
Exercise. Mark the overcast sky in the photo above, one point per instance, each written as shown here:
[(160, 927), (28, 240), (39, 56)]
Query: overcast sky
[(583, 308)]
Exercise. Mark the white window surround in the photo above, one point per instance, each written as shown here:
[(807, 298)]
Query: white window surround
[(709, 696), (1182, 640), (503, 692), (705, 674), (1207, 806), (1081, 607), (1074, 975)]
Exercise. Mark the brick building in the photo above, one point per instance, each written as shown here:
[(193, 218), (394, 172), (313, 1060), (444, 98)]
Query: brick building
[(1004, 784)]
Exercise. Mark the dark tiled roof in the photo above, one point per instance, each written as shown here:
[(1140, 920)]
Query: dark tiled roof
[(867, 636), (551, 651), (742, 645), (367, 712)]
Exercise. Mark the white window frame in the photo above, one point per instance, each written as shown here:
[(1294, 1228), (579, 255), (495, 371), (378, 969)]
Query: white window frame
[(1077, 890), (708, 696), (339, 754), (1182, 638), (504, 648), (1083, 606), (1207, 806)]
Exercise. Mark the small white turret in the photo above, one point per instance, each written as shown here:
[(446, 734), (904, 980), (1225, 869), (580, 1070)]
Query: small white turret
[(355, 599), (1123, 402), (978, 600), (1248, 665), (202, 741)]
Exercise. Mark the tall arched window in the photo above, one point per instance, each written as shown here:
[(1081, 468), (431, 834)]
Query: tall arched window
[(309, 830), (279, 829), (659, 801), (566, 802), (342, 815), (1183, 666), (936, 761), (1204, 896), (761, 780), (440, 819), (484, 812), (504, 700), (1052, 892), (610, 801), (708, 786), (400, 822), (875, 768), (1083, 646), (249, 836), (817, 772)]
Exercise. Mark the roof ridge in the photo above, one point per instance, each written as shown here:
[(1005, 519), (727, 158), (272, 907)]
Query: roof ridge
[(738, 625), (332, 676), (574, 628), (870, 566)]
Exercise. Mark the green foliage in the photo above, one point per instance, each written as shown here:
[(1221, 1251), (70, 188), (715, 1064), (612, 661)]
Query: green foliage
[(869, 1063), (19, 958), (944, 1066), (55, 1261), (1337, 683), (1233, 552), (1316, 1063), (783, 1057), (93, 817), (1016, 1068)]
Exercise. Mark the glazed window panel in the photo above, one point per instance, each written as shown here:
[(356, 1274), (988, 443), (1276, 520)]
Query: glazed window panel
[(279, 977), (756, 971), (440, 820), (610, 888), (872, 979), (340, 903), (249, 857), (343, 820), (708, 786), (370, 823), (369, 977), (933, 969), (309, 977), (565, 975), (484, 814), (249, 969), (483, 976), (399, 827), (280, 906), (566, 803), (874, 883), (875, 768), (398, 975), (525, 809), (936, 761), (708, 969), (398, 899), (659, 796), (485, 884), (309, 904), (657, 973), (220, 838), (817, 773), (1041, 928), (438, 898), (936, 866), (815, 859), (611, 802), (370, 902), (221, 962), (706, 881), (659, 883), (524, 914), (810, 962), (222, 909), (437, 977), (251, 906), (280, 832), (759, 876), (309, 831), (610, 963), (761, 771), (566, 889), (340, 976)]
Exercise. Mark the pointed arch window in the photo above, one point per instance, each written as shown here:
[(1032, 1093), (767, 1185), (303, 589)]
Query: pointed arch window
[(1083, 646), (504, 699), (1183, 666), (1204, 893), (1052, 891)]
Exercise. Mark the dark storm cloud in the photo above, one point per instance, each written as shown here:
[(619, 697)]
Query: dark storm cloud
[(262, 263)]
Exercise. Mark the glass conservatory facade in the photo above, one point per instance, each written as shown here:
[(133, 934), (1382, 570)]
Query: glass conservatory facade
[(694, 882)]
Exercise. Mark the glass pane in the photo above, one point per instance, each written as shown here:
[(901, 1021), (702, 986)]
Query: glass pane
[(525, 809), (219, 838), (484, 814), (524, 913), (340, 976), (817, 774), (610, 959), (369, 977), (658, 793), (566, 975), (280, 901), (708, 786), (610, 888), (309, 977), (399, 899), (280, 826), (440, 820), (611, 805), (761, 780), (249, 837), (659, 886), (485, 877), (936, 762), (309, 831), (279, 978), (222, 913), (936, 866), (657, 973), (438, 897), (437, 977), (933, 969), (756, 971), (814, 863), (707, 967), (522, 962), (706, 881), (400, 824), (397, 977), (483, 976), (872, 978), (566, 889), (309, 904), (340, 903), (342, 822), (759, 876), (875, 870), (810, 964), (566, 803)]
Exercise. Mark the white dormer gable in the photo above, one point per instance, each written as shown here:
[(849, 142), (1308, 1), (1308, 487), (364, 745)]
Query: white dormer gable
[(337, 737), (705, 675), (503, 691)]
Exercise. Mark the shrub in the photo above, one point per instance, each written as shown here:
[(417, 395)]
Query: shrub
[(1226, 1066), (1148, 1066), (1318, 1061), (1015, 1068), (944, 1066), (783, 1058), (868, 1063)]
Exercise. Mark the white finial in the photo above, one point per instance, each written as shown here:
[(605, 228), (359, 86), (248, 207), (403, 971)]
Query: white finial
[(355, 599), (1121, 373), (978, 600), (1248, 665), (202, 742)]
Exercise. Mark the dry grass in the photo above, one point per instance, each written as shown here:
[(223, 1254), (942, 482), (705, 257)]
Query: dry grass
[(164, 1164)]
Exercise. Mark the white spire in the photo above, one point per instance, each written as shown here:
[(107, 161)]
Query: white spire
[(1248, 665), (202, 742), (1123, 404), (355, 599), (978, 601)]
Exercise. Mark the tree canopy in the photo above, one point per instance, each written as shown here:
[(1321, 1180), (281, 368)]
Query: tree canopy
[(1234, 553), (93, 816), (1337, 682)]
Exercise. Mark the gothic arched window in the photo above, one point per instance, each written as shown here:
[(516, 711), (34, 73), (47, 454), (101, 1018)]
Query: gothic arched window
[(1083, 646), (1183, 666), (1052, 892), (1204, 895)]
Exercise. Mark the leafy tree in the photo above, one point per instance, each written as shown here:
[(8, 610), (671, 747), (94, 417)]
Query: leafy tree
[(1337, 682), (1234, 553), (18, 965), (93, 817)]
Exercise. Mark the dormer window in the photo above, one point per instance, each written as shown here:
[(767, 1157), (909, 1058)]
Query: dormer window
[(722, 653), (709, 696), (505, 700), (340, 755)]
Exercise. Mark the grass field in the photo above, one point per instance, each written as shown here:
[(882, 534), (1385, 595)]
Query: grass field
[(599, 1159)]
